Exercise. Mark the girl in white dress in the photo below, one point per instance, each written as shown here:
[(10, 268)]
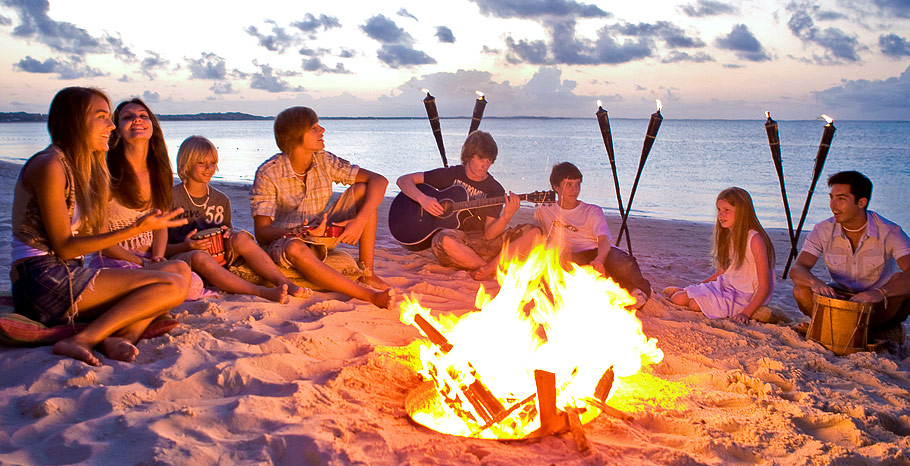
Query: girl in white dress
[(744, 257)]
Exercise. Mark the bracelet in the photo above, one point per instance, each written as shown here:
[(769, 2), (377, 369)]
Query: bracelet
[(884, 296)]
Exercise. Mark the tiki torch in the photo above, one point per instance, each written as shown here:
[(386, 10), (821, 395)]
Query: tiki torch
[(430, 103), (653, 127), (479, 105), (823, 147), (603, 119), (774, 144)]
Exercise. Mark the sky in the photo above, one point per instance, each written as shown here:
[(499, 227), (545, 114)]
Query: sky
[(702, 58)]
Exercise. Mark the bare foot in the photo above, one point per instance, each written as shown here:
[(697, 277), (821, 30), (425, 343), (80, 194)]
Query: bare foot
[(374, 281), (70, 347), (640, 298), (279, 294), (671, 290), (384, 299), (486, 272), (298, 291), (119, 349)]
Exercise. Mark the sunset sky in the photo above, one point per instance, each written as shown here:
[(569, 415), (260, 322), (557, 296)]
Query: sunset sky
[(702, 58)]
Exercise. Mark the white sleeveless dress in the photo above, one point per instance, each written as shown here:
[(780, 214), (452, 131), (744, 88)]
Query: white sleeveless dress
[(732, 291)]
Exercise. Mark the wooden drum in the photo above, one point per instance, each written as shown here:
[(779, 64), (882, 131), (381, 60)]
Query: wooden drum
[(839, 325), (215, 245)]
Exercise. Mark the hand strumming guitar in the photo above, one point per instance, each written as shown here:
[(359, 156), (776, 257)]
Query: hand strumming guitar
[(431, 205)]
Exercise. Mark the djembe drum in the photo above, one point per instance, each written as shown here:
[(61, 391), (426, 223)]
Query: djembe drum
[(215, 243), (839, 325)]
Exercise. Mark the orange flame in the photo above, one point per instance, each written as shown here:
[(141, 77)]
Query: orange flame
[(574, 323), (479, 94), (659, 105), (827, 119)]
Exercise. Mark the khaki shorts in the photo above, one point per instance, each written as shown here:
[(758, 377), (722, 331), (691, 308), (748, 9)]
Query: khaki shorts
[(487, 249), (344, 208)]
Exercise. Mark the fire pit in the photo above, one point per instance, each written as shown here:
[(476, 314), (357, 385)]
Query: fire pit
[(545, 354)]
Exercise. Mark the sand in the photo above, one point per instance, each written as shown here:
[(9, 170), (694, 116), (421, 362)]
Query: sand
[(323, 381)]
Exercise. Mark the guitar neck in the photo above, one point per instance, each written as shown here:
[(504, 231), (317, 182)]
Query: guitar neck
[(483, 202)]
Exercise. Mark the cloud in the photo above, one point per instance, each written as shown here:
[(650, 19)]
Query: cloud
[(397, 55), (565, 48), (838, 45), (347, 53), (385, 30), (671, 34), (445, 35), (396, 50), (150, 97), (676, 56), (741, 41), (530, 9), (405, 14), (894, 45), (222, 88), (879, 99), (72, 68), (703, 8), (315, 65), (4, 21), (899, 8), (209, 66), (311, 23), (152, 63), (278, 41), (268, 81)]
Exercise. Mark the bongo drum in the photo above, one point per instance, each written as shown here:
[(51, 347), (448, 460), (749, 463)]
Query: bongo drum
[(215, 245), (839, 325)]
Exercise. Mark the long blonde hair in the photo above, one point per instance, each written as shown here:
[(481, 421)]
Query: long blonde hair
[(67, 123), (737, 236)]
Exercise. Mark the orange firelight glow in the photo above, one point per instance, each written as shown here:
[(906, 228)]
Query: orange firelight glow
[(827, 119), (573, 323)]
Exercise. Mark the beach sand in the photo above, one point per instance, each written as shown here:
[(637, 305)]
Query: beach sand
[(323, 381)]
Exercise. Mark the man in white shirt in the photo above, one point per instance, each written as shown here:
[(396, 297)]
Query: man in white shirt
[(867, 256)]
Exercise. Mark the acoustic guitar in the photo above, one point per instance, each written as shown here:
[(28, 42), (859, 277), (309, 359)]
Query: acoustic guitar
[(414, 227)]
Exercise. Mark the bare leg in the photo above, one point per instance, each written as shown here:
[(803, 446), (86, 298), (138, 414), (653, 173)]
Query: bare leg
[(118, 299), (367, 242), (260, 262), (316, 271), (463, 256), (803, 296), (681, 298), (204, 264), (522, 245)]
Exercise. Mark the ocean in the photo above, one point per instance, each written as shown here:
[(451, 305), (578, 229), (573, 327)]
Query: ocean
[(690, 162)]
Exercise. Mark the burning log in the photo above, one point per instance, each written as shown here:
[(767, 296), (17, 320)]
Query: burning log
[(485, 404), (577, 429), (602, 390), (550, 420)]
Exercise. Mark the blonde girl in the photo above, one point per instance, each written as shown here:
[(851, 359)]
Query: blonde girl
[(744, 257)]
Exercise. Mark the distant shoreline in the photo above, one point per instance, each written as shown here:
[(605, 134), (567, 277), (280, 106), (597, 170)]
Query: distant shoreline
[(24, 117)]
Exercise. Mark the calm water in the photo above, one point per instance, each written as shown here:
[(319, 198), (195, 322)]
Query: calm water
[(691, 161)]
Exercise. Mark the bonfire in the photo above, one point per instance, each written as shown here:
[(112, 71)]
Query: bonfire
[(548, 351)]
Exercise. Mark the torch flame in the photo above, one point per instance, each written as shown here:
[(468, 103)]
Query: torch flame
[(658, 104), (574, 323), (828, 119), (599, 104), (425, 90), (479, 94), (767, 114)]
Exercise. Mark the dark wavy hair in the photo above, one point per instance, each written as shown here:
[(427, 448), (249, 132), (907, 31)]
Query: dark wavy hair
[(67, 123), (124, 184)]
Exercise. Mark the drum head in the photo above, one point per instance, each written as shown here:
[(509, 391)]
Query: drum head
[(206, 233)]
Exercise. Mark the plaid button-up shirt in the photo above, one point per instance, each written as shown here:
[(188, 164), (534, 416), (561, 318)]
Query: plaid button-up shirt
[(281, 195), (874, 261)]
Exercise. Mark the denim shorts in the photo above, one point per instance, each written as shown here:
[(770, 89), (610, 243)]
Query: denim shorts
[(41, 288)]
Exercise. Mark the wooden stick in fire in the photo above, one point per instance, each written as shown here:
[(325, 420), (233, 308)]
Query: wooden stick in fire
[(603, 119), (650, 136), (479, 105), (433, 115), (479, 396), (820, 157), (774, 144)]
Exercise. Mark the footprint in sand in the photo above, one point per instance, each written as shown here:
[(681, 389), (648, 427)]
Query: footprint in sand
[(834, 429)]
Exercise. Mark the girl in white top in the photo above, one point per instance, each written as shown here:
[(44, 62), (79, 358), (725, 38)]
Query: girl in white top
[(744, 257)]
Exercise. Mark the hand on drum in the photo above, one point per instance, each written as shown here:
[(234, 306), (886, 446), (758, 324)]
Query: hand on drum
[(824, 289), (870, 296)]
